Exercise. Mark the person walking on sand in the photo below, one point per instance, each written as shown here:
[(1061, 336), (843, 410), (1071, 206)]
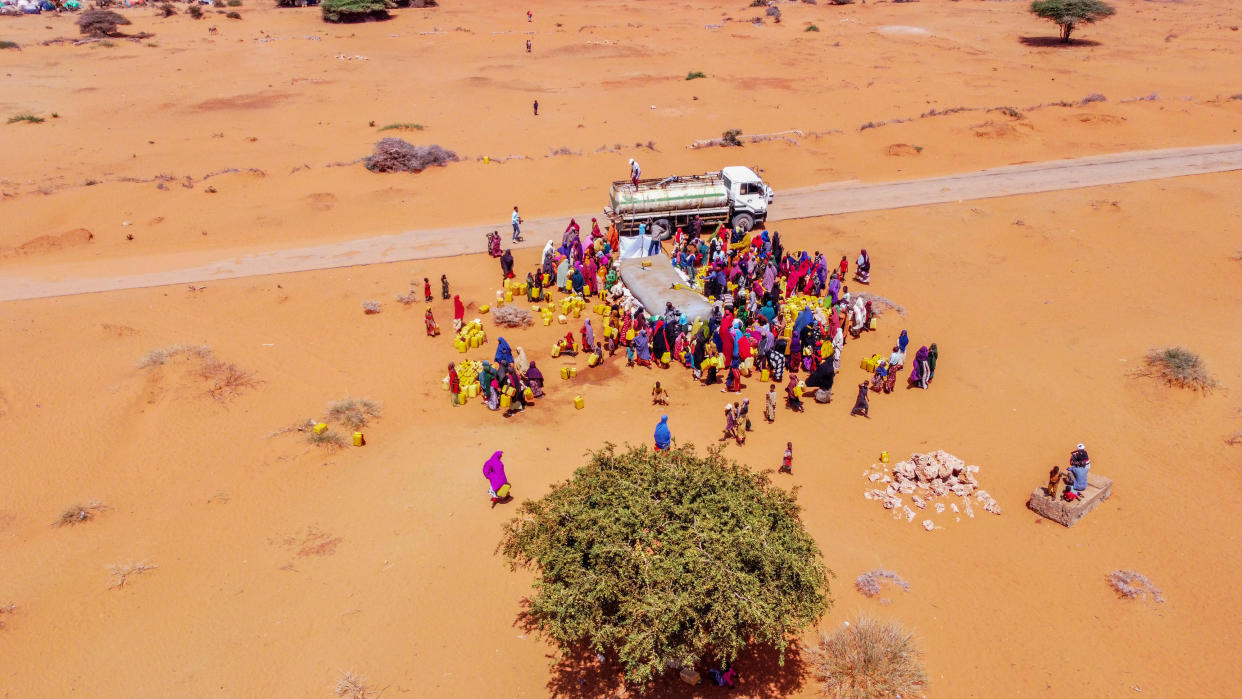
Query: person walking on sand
[(516, 220), (769, 409), (861, 406), (787, 462), (536, 107), (497, 482), (454, 385), (663, 436), (459, 313), (444, 289), (426, 289)]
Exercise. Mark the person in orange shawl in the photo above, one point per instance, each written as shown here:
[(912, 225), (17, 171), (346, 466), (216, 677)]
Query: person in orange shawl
[(432, 328)]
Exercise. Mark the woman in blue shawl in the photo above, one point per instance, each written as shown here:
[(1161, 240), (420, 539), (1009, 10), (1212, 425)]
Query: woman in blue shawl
[(504, 355), (643, 347), (805, 318), (663, 437), (562, 273)]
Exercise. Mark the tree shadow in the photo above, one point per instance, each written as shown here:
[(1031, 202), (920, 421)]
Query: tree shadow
[(581, 675), (1054, 42)]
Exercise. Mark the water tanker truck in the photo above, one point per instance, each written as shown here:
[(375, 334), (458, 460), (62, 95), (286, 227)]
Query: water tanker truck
[(735, 196)]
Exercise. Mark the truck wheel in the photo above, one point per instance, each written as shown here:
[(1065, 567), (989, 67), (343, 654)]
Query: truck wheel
[(662, 229), (743, 222)]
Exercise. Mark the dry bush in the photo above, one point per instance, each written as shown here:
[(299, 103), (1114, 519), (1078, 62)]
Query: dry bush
[(1093, 97), (1178, 366), (6, 610), (122, 571), (774, 12), (167, 10), (226, 379), (353, 413), (328, 439), (351, 685), (100, 23), (407, 299), (869, 583), (1234, 439), (80, 513), (160, 357), (397, 155), (512, 317), (233, 15), (1132, 585), (730, 138), (867, 659), (195, 11), (371, 307)]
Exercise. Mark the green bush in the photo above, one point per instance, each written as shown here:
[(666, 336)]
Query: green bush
[(1068, 14), (27, 118), (695, 75), (100, 23), (811, 28), (658, 558), (9, 45), (1178, 366), (355, 10)]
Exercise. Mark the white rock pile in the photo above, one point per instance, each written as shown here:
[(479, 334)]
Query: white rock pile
[(924, 478)]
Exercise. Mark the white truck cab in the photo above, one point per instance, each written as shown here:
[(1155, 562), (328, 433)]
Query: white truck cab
[(749, 196)]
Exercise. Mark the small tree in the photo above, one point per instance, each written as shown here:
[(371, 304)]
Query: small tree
[(356, 10), (662, 558), (100, 23), (1069, 13)]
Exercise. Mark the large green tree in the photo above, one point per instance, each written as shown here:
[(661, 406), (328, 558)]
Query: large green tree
[(1068, 14), (355, 10), (649, 557)]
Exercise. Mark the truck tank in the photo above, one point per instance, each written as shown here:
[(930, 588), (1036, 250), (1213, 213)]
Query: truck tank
[(660, 196)]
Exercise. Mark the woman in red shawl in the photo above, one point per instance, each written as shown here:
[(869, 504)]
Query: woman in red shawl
[(459, 313), (432, 328), (454, 383)]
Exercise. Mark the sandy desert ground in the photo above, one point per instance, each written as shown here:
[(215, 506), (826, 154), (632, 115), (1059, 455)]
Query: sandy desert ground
[(280, 565)]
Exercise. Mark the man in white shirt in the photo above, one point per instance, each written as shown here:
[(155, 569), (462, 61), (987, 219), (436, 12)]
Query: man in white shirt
[(517, 231)]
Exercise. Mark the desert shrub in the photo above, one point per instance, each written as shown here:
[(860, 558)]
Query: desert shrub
[(100, 23), (730, 138), (371, 307), (234, 3), (227, 379), (695, 75), (1010, 112), (353, 413), (9, 45), (75, 514), (869, 583), (159, 357), (512, 317), (869, 658), (774, 12), (656, 558), (1178, 366), (233, 15), (328, 439), (6, 610), (758, 3), (1093, 97), (29, 118), (167, 10), (1132, 585), (407, 299), (355, 10), (397, 155), (122, 571), (811, 28), (841, 2), (1068, 14), (351, 685), (195, 11), (405, 126)]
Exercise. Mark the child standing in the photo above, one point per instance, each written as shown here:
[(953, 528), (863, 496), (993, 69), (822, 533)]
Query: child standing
[(427, 289), (743, 417), (769, 410), (659, 396), (444, 290), (730, 430), (787, 463)]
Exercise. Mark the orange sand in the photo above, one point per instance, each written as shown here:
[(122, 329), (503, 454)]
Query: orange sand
[(280, 565)]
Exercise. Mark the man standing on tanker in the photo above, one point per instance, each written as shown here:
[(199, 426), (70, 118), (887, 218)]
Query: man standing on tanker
[(635, 172)]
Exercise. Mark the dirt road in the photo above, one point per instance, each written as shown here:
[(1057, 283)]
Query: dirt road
[(807, 202)]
